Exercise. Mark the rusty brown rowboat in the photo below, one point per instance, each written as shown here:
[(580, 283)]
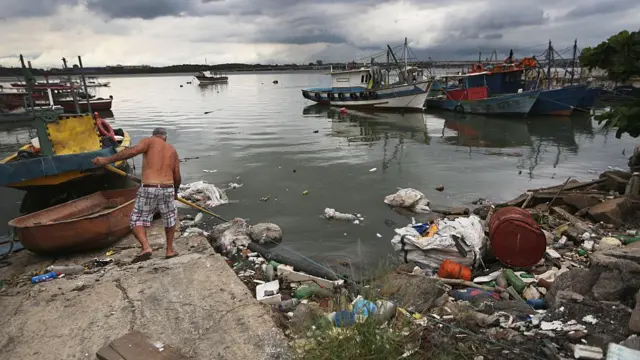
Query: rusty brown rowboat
[(91, 222)]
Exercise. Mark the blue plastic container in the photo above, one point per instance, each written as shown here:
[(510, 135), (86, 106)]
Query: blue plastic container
[(345, 318), (45, 277)]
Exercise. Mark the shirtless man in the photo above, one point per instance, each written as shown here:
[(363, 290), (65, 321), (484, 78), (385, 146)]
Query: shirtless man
[(158, 191)]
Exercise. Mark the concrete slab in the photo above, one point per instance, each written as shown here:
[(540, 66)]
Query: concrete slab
[(193, 302)]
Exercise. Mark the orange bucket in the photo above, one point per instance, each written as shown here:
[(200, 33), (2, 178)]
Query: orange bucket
[(452, 270)]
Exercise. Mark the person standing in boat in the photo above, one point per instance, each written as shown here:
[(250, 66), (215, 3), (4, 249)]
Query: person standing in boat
[(158, 191)]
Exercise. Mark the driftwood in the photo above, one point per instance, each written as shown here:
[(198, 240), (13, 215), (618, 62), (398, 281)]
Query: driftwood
[(461, 282), (570, 187), (579, 224), (526, 202)]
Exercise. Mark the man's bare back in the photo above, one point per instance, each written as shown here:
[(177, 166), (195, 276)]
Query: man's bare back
[(160, 164), (160, 161)]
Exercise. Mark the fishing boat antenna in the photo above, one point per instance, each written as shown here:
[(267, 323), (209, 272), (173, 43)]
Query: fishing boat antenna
[(84, 83)]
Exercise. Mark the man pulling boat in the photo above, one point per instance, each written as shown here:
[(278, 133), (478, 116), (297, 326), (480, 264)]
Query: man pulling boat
[(159, 189)]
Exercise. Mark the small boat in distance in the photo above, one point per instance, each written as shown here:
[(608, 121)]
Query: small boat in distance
[(97, 104), (88, 223), (210, 78), (372, 87), (92, 81)]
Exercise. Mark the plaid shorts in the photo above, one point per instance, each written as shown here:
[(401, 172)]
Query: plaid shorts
[(148, 201)]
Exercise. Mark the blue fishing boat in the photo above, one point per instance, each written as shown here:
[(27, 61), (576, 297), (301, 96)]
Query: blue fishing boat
[(560, 102), (518, 104), (589, 99)]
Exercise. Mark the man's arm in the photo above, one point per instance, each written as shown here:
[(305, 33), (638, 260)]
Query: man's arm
[(177, 179), (125, 154)]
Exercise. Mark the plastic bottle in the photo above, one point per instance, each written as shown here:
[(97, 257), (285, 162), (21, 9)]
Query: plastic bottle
[(386, 310), (45, 277), (452, 270), (67, 269), (268, 273), (306, 291), (514, 280), (288, 305)]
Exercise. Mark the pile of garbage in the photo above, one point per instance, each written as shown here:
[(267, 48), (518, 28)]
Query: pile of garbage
[(554, 273), (559, 267)]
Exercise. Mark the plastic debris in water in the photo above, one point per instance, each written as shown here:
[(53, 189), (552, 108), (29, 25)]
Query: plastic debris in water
[(210, 171), (306, 192), (373, 170), (198, 218), (109, 253), (234, 185), (378, 235)]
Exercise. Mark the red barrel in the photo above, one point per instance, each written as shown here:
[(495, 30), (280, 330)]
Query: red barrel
[(516, 238)]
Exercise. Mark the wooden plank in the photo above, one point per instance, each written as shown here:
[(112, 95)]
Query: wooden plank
[(135, 346), (107, 353)]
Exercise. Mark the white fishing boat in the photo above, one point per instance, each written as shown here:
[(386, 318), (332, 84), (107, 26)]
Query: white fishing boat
[(371, 87), (92, 81), (210, 78)]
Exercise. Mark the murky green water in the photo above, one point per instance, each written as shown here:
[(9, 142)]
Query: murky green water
[(268, 138)]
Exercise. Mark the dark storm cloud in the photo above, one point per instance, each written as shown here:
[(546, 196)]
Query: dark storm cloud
[(586, 9), (31, 8), (144, 9)]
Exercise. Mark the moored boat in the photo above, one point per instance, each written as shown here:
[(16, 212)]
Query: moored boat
[(88, 223), (559, 102), (350, 90), (517, 104), (371, 87), (97, 104), (61, 152), (214, 78)]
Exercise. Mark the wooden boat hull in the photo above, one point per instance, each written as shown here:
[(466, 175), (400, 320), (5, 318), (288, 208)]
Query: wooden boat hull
[(96, 105), (559, 102), (407, 97), (518, 104), (91, 222), (77, 143)]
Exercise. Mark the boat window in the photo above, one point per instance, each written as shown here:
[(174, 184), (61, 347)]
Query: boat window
[(362, 79)]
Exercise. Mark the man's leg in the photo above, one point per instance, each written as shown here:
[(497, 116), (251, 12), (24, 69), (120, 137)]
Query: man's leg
[(143, 210), (140, 233), (170, 232), (169, 211)]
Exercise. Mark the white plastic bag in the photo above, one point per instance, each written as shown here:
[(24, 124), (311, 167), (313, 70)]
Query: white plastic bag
[(204, 194), (411, 199), (429, 252)]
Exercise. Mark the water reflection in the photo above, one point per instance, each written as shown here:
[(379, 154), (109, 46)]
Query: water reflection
[(212, 88), (369, 127)]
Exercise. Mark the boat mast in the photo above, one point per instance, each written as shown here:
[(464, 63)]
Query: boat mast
[(573, 60), (29, 80), (70, 82), (549, 56), (84, 82), (406, 51)]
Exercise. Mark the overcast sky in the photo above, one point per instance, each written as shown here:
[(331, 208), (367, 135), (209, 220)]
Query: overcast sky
[(165, 32)]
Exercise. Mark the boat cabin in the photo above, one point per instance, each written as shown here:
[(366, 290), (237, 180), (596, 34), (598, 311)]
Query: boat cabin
[(354, 80)]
